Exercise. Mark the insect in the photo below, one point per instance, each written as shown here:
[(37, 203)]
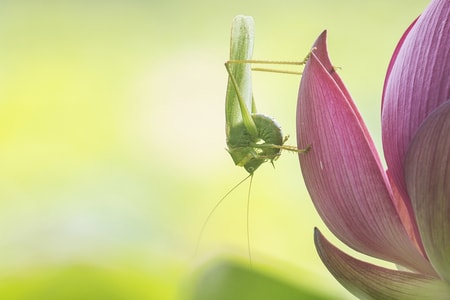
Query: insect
[(252, 138)]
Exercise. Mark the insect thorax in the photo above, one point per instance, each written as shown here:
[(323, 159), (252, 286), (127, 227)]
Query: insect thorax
[(251, 151)]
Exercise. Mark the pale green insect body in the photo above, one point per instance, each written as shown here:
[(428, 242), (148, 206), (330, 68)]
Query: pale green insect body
[(250, 151), (252, 138)]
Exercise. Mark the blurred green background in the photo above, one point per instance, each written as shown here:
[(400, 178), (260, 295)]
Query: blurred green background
[(112, 142)]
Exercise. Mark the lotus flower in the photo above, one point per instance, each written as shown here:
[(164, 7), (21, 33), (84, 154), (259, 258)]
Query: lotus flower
[(401, 215)]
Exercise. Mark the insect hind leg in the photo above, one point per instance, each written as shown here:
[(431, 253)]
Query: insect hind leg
[(282, 147), (270, 62)]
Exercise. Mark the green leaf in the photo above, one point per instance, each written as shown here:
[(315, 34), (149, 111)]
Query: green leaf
[(232, 281)]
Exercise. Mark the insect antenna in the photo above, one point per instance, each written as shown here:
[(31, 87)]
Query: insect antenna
[(248, 218), (214, 209)]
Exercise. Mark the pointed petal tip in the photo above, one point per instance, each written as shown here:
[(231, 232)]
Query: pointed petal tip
[(343, 173), (319, 48), (321, 38)]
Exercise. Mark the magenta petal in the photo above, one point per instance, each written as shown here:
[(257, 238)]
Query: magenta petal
[(342, 171), (367, 281), (417, 82), (427, 172), (322, 56), (394, 57)]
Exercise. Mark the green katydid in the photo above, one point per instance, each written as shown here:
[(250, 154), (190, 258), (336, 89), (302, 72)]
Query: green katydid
[(252, 138)]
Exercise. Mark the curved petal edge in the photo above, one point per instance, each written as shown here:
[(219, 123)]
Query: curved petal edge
[(368, 281), (427, 174), (417, 82)]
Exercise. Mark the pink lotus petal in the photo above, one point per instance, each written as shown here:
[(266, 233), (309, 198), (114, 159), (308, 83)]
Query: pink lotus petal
[(427, 172), (342, 171), (407, 217), (322, 56), (367, 281), (418, 81), (394, 57)]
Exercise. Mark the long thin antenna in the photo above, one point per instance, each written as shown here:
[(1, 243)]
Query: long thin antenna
[(214, 209), (248, 222)]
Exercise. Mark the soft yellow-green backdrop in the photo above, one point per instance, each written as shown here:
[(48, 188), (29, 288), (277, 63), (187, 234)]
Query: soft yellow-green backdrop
[(112, 140)]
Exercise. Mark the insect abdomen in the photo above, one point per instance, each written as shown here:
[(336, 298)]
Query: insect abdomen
[(269, 130), (252, 151)]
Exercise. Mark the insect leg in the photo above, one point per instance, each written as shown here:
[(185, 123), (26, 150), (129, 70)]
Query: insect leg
[(214, 209), (248, 222), (246, 115)]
